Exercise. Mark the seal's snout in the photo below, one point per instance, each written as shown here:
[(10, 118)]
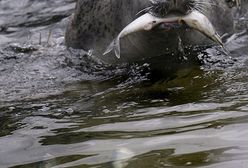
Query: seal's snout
[(162, 8), (168, 8), (182, 6)]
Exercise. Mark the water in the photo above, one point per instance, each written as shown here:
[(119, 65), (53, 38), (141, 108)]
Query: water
[(61, 108)]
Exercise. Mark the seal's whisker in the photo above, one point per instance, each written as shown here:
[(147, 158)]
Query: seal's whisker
[(144, 10), (200, 8), (196, 5), (208, 4), (205, 5)]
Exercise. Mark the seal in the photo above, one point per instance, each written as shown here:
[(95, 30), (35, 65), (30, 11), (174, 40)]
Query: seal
[(145, 29)]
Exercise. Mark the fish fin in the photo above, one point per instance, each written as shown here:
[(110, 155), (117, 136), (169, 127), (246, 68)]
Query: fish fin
[(218, 39), (114, 45), (118, 50)]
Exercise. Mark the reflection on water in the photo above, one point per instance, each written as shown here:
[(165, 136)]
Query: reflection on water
[(60, 108)]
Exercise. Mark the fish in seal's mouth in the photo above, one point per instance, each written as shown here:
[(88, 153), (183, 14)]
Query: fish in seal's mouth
[(148, 21)]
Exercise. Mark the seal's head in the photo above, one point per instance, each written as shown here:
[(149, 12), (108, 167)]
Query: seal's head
[(167, 22), (147, 28), (180, 8)]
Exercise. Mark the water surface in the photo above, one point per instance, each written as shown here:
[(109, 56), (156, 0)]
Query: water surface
[(63, 108)]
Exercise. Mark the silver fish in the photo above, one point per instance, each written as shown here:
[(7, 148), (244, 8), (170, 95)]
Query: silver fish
[(200, 22), (145, 22), (195, 20)]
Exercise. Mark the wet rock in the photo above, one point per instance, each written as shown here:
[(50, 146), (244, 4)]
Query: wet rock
[(18, 48)]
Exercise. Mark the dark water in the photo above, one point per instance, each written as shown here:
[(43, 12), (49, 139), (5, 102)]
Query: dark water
[(62, 108)]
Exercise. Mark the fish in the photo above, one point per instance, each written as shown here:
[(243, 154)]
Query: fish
[(195, 20), (200, 22), (143, 23)]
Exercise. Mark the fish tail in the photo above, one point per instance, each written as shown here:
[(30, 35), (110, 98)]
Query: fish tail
[(219, 40), (114, 45)]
